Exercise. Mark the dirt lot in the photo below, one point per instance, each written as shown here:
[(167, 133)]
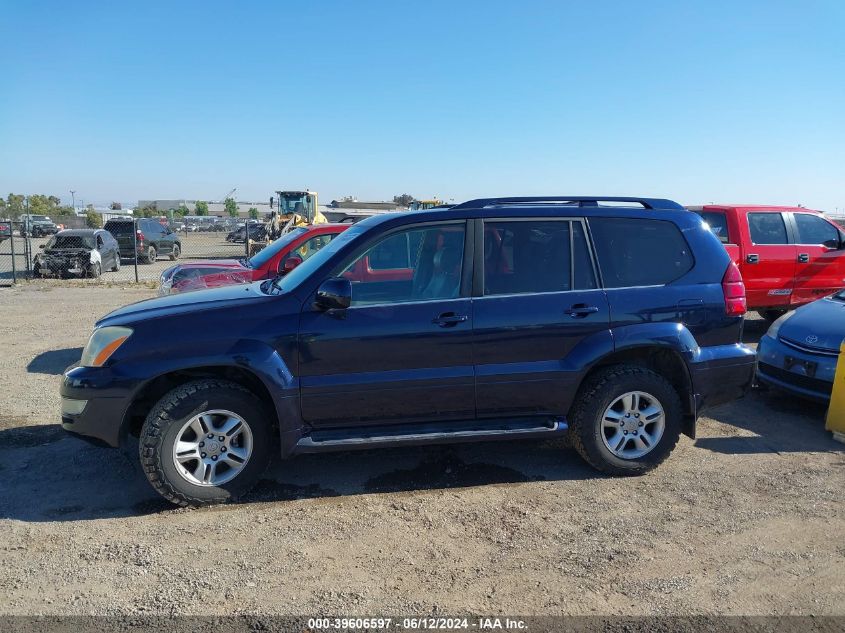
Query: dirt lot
[(747, 519)]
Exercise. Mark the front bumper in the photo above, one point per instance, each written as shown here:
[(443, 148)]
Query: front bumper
[(796, 371), (107, 399), (721, 373)]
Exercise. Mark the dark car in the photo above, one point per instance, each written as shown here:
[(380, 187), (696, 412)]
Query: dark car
[(799, 353), (37, 226), (616, 324), (256, 232), (81, 252), (5, 230), (150, 239)]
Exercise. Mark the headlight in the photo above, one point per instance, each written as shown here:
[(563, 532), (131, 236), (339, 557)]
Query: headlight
[(102, 344), (774, 328)]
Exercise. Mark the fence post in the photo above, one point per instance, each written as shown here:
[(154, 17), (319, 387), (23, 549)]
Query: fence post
[(27, 251), (135, 247), (12, 246)]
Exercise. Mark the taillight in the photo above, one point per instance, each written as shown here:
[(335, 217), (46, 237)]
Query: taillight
[(734, 290), (140, 236)]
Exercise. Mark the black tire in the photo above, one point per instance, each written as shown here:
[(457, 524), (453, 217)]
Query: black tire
[(598, 393), (174, 255), (173, 411), (151, 255), (771, 315), (96, 270), (116, 266)]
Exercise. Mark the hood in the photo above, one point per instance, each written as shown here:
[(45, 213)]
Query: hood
[(211, 264), (820, 325), (199, 301)]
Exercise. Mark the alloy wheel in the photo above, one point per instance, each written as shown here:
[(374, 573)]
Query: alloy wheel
[(212, 448), (633, 424)]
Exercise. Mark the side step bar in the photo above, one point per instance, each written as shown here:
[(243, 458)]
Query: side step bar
[(444, 433)]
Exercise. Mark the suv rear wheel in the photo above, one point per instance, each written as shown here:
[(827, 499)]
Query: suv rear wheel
[(205, 442), (626, 420), (174, 255), (151, 255)]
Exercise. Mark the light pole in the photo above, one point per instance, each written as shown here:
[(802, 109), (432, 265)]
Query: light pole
[(73, 198)]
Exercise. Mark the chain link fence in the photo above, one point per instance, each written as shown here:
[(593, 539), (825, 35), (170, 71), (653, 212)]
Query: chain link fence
[(124, 250)]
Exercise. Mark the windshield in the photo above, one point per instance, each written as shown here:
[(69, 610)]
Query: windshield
[(71, 241), (266, 254), (304, 270)]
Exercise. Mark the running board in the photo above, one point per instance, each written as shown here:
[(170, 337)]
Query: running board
[(417, 435)]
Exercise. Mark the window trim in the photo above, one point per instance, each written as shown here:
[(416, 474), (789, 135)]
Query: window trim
[(463, 291), (478, 278)]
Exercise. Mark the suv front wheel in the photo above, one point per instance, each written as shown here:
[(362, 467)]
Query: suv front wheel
[(626, 420), (205, 442)]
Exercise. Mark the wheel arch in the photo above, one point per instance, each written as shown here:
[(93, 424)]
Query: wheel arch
[(662, 359), (151, 391)]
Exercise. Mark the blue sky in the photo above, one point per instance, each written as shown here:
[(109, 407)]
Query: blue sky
[(697, 101)]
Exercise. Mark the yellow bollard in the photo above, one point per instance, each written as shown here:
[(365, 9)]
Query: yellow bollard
[(836, 411)]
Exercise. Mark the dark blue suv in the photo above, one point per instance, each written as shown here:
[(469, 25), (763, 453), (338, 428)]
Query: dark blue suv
[(613, 320)]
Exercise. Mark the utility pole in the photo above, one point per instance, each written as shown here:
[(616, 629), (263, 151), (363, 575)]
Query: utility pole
[(73, 199)]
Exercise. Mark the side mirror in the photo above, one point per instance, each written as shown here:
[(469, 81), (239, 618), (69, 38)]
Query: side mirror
[(290, 263), (334, 294)]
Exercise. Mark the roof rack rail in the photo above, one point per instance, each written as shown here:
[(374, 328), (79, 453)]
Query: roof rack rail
[(581, 201)]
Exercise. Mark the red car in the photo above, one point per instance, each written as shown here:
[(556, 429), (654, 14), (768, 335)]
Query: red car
[(281, 256), (788, 256)]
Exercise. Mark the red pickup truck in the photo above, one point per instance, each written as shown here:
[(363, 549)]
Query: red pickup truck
[(788, 256)]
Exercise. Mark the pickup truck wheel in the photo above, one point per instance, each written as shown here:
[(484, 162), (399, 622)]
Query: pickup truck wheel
[(772, 315), (626, 420), (151, 255), (205, 442), (174, 255)]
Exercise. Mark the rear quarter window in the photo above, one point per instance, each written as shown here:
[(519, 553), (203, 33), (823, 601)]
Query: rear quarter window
[(640, 252)]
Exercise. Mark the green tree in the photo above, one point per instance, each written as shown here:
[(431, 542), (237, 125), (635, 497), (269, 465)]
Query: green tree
[(231, 207), (253, 213), (182, 211), (405, 199), (93, 219), (201, 207), (15, 204)]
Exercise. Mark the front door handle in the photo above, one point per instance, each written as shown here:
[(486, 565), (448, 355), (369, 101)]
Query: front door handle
[(449, 319), (580, 310), (752, 259), (803, 257)]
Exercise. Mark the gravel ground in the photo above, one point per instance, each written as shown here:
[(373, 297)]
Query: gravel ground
[(747, 519)]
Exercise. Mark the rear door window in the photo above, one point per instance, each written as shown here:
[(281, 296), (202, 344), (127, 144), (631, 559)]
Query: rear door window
[(532, 256), (640, 252), (767, 228), (815, 230)]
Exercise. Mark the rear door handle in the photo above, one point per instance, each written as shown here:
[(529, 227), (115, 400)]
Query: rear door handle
[(580, 310), (752, 259), (448, 319), (803, 257)]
